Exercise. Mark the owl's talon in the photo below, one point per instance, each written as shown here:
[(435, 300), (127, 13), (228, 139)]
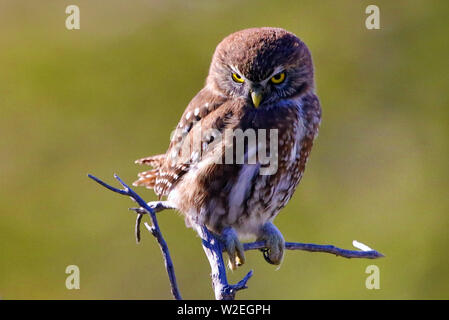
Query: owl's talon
[(265, 253), (233, 247), (275, 244)]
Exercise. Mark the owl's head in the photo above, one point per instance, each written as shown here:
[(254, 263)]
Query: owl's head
[(263, 65)]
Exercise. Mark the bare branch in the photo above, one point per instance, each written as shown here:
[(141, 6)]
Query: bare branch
[(213, 249), (371, 254), (155, 230)]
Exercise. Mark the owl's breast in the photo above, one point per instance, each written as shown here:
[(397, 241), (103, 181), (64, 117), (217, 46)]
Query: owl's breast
[(272, 192)]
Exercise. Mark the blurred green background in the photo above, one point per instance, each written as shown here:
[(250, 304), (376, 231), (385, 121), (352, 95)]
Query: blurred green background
[(93, 100)]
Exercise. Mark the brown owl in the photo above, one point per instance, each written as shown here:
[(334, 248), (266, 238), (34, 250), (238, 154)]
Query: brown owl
[(261, 88)]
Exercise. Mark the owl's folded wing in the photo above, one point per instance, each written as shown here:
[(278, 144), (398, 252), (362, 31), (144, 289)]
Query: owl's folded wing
[(192, 141)]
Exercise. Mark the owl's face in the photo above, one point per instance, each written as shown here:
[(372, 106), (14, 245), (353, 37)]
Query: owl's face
[(262, 65)]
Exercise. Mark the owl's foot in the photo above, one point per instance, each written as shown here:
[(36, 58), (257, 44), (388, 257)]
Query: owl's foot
[(275, 243), (233, 247)]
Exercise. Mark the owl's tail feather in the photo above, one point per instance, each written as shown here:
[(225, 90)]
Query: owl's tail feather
[(153, 161), (148, 178)]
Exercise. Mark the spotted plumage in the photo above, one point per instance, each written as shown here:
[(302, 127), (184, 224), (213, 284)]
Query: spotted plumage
[(260, 79)]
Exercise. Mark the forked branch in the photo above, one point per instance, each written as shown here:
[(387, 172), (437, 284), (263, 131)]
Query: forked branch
[(154, 228)]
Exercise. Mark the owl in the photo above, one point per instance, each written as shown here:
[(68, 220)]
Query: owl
[(260, 80)]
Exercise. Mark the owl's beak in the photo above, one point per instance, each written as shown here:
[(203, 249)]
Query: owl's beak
[(256, 96)]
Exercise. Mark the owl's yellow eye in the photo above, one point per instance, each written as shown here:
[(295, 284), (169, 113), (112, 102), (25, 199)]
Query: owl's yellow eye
[(237, 78), (279, 78)]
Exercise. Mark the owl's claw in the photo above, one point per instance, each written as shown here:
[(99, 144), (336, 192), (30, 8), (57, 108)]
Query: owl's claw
[(275, 243), (233, 247)]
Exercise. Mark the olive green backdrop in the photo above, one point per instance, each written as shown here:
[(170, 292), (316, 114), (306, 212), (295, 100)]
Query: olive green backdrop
[(95, 99)]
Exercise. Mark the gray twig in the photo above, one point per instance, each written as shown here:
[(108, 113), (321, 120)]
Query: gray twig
[(370, 254), (155, 230), (214, 248)]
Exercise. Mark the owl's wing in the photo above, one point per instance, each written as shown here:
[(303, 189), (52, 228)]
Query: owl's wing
[(204, 114)]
